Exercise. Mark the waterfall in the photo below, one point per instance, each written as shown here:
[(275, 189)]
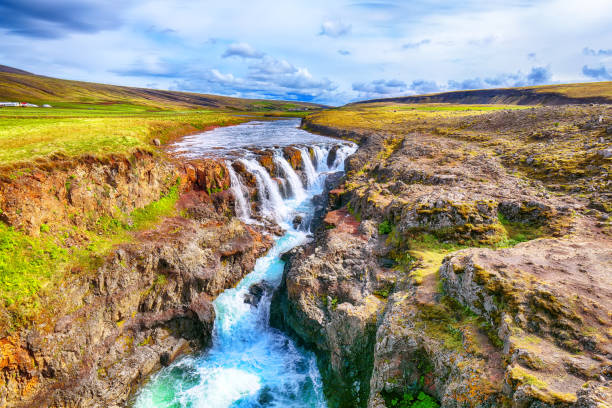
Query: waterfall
[(272, 204), (341, 154), (250, 364), (291, 176), (311, 173), (243, 210), (320, 158)]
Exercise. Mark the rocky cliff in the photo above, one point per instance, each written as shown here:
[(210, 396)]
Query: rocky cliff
[(102, 330), (463, 262)]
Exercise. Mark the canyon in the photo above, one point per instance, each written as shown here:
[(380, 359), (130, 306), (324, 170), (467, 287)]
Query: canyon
[(422, 259)]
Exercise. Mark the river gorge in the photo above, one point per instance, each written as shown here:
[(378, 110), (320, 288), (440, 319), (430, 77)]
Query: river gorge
[(251, 364), (424, 263)]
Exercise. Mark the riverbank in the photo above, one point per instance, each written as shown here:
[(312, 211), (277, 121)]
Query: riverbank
[(462, 262), (139, 292)]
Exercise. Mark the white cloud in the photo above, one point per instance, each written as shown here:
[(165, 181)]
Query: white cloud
[(335, 28), (243, 50), (424, 44)]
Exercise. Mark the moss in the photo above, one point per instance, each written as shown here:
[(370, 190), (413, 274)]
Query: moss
[(161, 279), (385, 227), (417, 399), (32, 267), (146, 341), (383, 293), (334, 303)]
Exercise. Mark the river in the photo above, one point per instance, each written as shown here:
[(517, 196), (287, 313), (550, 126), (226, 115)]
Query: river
[(251, 364)]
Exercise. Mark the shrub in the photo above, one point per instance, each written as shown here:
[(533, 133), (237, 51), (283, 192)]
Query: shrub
[(385, 227)]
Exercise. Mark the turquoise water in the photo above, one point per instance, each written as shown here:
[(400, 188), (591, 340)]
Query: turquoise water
[(250, 364)]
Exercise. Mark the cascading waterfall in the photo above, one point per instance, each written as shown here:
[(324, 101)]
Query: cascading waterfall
[(243, 210), (311, 173), (272, 203), (250, 365), (321, 158), (341, 154), (297, 189)]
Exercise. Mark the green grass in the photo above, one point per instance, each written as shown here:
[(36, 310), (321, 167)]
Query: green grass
[(26, 265), (32, 266), (517, 232), (27, 135)]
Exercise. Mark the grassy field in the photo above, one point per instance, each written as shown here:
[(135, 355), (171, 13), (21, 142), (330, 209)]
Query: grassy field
[(584, 90), (28, 134), (390, 117)]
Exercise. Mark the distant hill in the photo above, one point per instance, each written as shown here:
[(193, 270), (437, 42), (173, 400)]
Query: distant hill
[(18, 85), (11, 70), (592, 92)]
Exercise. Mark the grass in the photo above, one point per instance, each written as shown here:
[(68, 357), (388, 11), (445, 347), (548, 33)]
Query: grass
[(453, 108), (584, 90), (31, 266), (398, 119), (26, 135), (517, 232)]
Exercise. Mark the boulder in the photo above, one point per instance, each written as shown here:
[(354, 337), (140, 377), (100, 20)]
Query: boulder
[(257, 291)]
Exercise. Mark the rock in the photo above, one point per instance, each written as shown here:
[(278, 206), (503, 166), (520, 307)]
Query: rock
[(71, 190), (609, 130), (605, 153), (293, 156), (156, 142), (257, 291), (166, 358), (148, 302), (297, 221), (480, 327), (331, 156), (321, 202)]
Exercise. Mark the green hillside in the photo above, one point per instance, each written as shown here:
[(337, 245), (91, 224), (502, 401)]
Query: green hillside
[(18, 85)]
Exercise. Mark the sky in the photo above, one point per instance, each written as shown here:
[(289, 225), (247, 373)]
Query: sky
[(326, 51)]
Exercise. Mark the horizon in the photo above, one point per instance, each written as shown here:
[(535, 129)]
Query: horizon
[(328, 54)]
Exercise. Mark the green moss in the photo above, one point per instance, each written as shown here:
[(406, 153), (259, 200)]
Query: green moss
[(161, 279), (29, 265), (383, 293), (148, 215), (334, 303), (385, 227), (26, 265), (517, 232), (410, 400)]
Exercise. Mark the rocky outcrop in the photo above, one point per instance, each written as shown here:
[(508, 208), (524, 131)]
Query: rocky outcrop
[(80, 191), (147, 303), (548, 301), (328, 299), (395, 308)]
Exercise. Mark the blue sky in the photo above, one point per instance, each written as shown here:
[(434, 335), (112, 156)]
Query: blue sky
[(324, 51)]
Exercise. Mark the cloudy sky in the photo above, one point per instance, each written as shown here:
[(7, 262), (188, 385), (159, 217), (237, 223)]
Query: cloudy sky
[(328, 51)]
